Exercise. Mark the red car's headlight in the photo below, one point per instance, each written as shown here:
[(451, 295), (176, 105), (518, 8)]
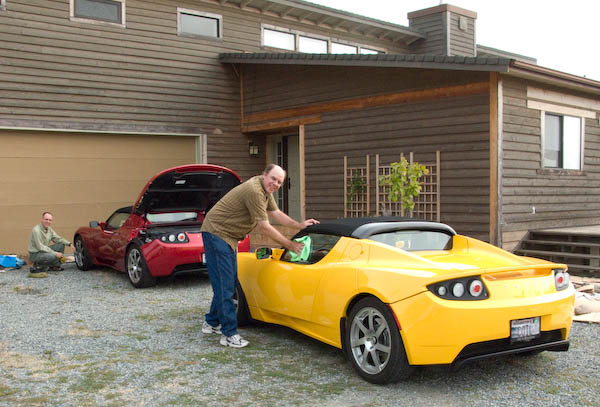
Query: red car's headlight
[(561, 279), (464, 289)]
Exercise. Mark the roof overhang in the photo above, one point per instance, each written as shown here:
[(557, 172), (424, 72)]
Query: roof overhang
[(553, 77), (328, 18), (379, 60), (508, 66)]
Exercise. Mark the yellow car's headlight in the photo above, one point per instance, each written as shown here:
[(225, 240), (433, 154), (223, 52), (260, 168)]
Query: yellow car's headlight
[(464, 289)]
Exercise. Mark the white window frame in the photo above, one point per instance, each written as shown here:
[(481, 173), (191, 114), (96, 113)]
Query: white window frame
[(561, 104), (297, 34), (94, 21), (218, 17), (557, 111), (278, 29)]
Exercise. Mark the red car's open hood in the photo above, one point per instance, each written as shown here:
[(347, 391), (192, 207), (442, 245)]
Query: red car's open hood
[(195, 187)]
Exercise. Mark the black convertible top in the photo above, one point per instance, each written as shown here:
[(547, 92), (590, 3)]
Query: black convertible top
[(362, 228)]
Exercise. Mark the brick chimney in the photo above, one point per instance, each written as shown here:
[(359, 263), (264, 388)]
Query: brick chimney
[(450, 31)]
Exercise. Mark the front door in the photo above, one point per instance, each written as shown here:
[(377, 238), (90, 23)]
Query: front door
[(285, 152)]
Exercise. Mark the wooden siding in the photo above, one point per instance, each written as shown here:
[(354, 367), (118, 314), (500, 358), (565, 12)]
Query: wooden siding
[(461, 42), (434, 26), (458, 127), (560, 200), (270, 87), (57, 73)]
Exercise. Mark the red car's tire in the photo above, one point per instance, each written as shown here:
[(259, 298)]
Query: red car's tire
[(137, 270), (373, 342), (82, 257)]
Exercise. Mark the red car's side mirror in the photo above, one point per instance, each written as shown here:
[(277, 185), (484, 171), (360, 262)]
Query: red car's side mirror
[(94, 224)]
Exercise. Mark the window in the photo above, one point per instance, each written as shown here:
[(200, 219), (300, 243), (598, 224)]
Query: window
[(105, 11), (190, 22), (284, 38), (337, 48), (415, 240), (562, 141), (116, 220), (2, 5), (279, 39), (312, 45), (319, 246), (367, 51)]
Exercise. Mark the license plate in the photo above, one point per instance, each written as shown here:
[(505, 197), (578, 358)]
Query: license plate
[(524, 329), (203, 258)]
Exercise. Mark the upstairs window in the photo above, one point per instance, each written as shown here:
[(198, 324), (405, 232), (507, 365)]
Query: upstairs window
[(368, 51), (562, 141), (279, 39), (297, 41), (312, 45), (191, 22), (2, 5), (106, 11), (337, 48)]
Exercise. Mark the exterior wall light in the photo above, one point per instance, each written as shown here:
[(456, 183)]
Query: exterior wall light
[(252, 149)]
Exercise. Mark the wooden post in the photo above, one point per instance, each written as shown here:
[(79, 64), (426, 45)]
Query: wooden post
[(368, 186), (438, 184), (494, 136), (376, 184), (345, 186), (302, 174)]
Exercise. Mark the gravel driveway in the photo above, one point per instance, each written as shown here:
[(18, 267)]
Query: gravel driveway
[(90, 339)]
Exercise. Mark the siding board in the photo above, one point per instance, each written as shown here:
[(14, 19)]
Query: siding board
[(559, 199)]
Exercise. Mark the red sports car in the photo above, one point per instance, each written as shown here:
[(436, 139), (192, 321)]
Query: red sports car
[(159, 235)]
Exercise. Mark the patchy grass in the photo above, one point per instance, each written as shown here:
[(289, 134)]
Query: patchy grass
[(26, 290), (95, 380)]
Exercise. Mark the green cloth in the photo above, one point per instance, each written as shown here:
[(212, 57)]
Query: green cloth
[(306, 250)]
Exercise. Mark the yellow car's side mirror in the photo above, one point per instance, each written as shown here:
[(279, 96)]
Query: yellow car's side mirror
[(263, 253)]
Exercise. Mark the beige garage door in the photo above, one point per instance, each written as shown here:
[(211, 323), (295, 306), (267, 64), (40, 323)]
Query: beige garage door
[(78, 177)]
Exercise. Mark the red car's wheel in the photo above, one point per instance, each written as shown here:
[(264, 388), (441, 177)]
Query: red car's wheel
[(137, 269), (374, 345), (82, 258)]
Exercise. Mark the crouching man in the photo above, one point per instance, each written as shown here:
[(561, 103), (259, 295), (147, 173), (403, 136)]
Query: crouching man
[(42, 254)]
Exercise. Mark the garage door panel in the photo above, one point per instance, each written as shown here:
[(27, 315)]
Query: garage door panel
[(34, 145), (98, 169), (78, 177)]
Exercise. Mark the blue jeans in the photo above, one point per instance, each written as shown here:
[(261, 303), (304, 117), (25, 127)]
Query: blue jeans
[(222, 270)]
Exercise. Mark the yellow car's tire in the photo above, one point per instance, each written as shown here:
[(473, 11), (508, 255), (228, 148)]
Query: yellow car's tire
[(241, 306), (373, 343)]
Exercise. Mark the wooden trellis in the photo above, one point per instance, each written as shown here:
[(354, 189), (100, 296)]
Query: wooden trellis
[(427, 204), (357, 183)]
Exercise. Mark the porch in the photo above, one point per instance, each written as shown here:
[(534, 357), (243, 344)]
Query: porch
[(578, 247)]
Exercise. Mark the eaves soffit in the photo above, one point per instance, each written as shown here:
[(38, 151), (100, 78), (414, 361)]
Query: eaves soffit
[(328, 18)]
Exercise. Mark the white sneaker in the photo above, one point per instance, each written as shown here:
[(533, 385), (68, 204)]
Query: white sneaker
[(209, 329), (235, 341)]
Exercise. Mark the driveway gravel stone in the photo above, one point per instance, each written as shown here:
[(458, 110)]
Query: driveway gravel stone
[(91, 339)]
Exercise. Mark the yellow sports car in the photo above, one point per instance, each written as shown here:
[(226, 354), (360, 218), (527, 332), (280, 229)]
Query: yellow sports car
[(393, 293)]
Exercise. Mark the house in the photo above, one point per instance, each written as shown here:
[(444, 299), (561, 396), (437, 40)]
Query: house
[(99, 95)]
